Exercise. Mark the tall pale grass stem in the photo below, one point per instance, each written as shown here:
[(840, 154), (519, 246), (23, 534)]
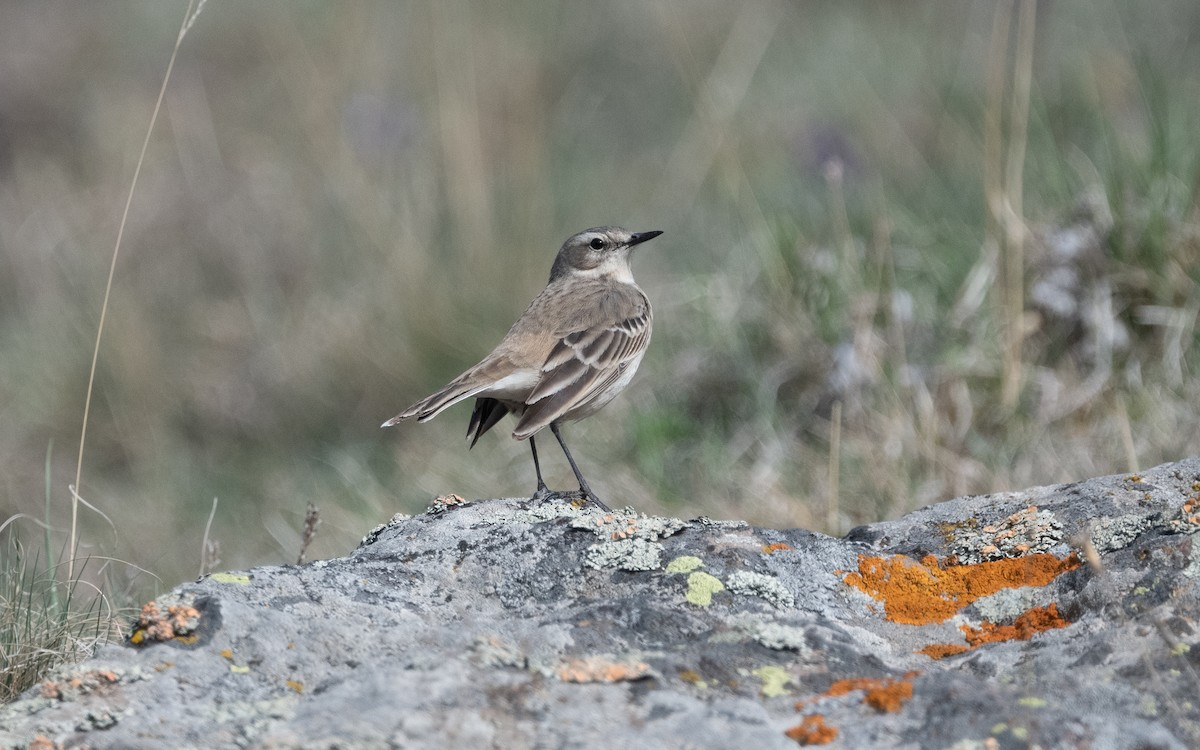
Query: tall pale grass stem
[(1013, 222), (46, 543), (188, 19)]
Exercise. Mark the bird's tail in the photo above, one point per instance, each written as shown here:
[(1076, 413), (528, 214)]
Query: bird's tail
[(462, 387), (488, 411)]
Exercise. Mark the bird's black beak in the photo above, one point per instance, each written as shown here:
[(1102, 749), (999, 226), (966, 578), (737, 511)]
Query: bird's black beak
[(639, 237)]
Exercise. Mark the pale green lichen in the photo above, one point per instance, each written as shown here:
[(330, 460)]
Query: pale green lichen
[(684, 564), (749, 583), (625, 554), (239, 578), (774, 679), (1032, 701), (701, 587)]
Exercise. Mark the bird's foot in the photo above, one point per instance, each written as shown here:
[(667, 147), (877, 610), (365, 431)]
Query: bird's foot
[(579, 498), (543, 493), (584, 492)]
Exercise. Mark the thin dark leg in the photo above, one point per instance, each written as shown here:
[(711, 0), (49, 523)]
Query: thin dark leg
[(543, 491), (583, 485)]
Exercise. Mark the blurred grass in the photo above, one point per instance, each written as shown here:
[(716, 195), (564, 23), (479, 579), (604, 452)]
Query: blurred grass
[(344, 206), (46, 617), (42, 621)]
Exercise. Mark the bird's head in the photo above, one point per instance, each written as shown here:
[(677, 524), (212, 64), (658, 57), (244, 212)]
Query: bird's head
[(600, 252)]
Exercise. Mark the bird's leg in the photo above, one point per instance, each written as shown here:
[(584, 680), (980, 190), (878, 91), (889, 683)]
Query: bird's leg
[(583, 485), (543, 492)]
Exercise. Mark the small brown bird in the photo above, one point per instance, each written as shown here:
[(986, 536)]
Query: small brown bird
[(572, 351)]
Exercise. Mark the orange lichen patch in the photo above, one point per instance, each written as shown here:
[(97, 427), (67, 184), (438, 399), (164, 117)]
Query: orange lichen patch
[(1023, 628), (813, 730), (1027, 625), (296, 685), (770, 549), (849, 685), (942, 650), (158, 624), (889, 697), (926, 592), (1188, 518), (79, 684), (630, 528), (42, 742), (599, 669), (882, 694)]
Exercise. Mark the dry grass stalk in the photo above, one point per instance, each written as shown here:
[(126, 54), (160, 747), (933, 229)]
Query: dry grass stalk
[(312, 519), (189, 18)]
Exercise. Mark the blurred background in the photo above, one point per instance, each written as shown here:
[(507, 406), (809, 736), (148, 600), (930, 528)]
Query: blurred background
[(893, 271)]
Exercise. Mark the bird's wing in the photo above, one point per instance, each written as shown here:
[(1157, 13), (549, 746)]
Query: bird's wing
[(582, 364)]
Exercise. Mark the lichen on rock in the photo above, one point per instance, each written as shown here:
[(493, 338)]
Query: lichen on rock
[(766, 587), (486, 624), (1111, 534), (1025, 532), (625, 554)]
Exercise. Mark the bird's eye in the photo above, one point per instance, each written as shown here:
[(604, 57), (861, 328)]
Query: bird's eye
[(597, 243)]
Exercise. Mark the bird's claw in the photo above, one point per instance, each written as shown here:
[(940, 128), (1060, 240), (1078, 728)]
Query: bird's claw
[(588, 494), (579, 498)]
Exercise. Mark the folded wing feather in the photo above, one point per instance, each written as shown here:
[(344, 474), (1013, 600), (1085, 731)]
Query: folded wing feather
[(581, 366)]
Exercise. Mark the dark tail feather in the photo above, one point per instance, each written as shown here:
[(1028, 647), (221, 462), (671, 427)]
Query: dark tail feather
[(487, 412)]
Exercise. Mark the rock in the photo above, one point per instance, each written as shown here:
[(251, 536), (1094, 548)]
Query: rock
[(1061, 616)]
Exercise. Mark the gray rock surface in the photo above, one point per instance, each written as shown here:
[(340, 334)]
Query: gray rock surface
[(508, 624)]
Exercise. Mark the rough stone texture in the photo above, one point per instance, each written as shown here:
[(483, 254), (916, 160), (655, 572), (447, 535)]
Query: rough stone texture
[(507, 624)]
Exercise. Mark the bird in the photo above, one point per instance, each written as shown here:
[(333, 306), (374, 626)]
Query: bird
[(575, 347)]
